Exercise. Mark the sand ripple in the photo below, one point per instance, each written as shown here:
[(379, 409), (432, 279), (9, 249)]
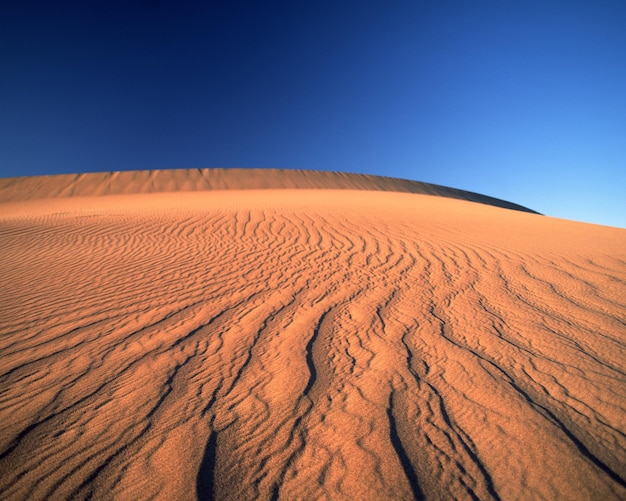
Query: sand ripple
[(318, 345)]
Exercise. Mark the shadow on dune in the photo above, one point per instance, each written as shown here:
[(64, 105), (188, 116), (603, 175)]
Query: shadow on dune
[(403, 457), (205, 481)]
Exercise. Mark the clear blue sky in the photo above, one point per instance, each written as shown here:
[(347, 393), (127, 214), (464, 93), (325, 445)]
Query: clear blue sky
[(521, 100)]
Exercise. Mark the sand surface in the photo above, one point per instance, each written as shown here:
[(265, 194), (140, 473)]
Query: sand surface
[(308, 344)]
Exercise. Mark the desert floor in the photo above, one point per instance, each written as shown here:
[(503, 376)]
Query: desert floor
[(308, 344)]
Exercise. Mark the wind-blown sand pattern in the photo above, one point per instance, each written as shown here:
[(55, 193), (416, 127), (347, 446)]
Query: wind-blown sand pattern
[(308, 344)]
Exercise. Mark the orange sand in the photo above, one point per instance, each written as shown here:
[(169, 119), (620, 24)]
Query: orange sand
[(306, 344)]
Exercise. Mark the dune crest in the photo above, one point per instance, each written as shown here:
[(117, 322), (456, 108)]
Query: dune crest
[(185, 180), (308, 344)]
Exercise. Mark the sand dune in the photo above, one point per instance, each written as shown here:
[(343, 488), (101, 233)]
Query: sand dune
[(307, 344)]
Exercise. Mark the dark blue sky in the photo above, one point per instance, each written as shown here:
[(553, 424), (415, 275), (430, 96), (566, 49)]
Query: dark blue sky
[(524, 100)]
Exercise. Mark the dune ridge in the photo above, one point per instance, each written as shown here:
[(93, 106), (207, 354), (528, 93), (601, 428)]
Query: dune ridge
[(177, 180), (308, 344)]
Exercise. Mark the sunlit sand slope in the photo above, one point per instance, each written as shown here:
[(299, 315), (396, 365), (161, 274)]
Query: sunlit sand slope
[(308, 345), (177, 180)]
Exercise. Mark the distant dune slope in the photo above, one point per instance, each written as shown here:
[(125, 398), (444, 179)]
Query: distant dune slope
[(308, 344), (175, 180)]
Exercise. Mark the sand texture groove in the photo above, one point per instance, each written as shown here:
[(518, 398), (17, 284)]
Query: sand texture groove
[(308, 344)]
